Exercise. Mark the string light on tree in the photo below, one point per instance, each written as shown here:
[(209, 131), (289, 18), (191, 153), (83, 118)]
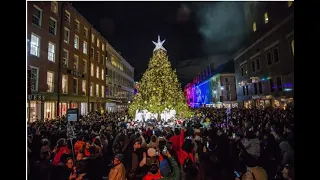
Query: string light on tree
[(159, 88)]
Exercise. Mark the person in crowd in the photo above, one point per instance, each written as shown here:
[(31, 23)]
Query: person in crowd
[(153, 143), (135, 171), (118, 171), (79, 144), (60, 149), (254, 171)]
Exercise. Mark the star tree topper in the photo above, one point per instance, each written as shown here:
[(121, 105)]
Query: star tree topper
[(159, 44)]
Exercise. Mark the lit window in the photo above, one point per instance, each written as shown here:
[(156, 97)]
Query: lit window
[(64, 84), (92, 38), (34, 79), (254, 26), (65, 58), (76, 41), (91, 89), (52, 26), (102, 74), (76, 63), (97, 90), (35, 45), (66, 35), (37, 16), (290, 3), (50, 81), (85, 47), (67, 16), (84, 87), (98, 42), (51, 52), (54, 6), (84, 66), (92, 69), (292, 47), (75, 86), (266, 18), (85, 32), (102, 47), (77, 25), (97, 72), (102, 91)]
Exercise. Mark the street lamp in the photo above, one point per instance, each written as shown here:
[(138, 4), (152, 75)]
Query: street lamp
[(221, 88), (215, 91)]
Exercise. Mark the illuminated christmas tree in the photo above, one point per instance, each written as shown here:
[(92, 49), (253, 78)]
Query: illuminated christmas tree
[(159, 88)]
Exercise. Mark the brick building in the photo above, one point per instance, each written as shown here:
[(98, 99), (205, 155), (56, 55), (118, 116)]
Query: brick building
[(264, 68), (67, 60)]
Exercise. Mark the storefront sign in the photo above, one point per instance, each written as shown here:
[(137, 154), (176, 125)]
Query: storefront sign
[(72, 114), (36, 97), (75, 73)]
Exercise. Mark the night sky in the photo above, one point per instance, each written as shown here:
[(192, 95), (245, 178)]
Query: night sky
[(191, 29)]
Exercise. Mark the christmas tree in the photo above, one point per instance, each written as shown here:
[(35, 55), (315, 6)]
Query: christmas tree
[(159, 88)]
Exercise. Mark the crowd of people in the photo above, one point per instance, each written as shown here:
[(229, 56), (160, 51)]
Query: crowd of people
[(217, 144)]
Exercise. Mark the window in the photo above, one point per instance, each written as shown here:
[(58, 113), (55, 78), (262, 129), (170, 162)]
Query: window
[(76, 41), (97, 72), (92, 69), (66, 35), (85, 47), (292, 47), (65, 58), (257, 64), (75, 86), (84, 87), (98, 56), (92, 38), (36, 16), (276, 55), (226, 80), (253, 66), (91, 89), (34, 79), (244, 90), (271, 85), (54, 6), (227, 87), (269, 58), (85, 32), (64, 84), (290, 3), (266, 18), (255, 88), (77, 25), (247, 90), (279, 84), (92, 52), (35, 45), (229, 97), (254, 26), (102, 47), (244, 70), (52, 26), (51, 52), (102, 57), (102, 74), (98, 42), (76, 63), (97, 90), (67, 16), (260, 87), (84, 66), (102, 91), (50, 81)]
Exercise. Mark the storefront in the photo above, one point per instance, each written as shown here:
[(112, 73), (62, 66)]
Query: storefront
[(49, 110), (84, 108), (34, 111), (63, 107), (248, 104), (283, 103), (111, 107)]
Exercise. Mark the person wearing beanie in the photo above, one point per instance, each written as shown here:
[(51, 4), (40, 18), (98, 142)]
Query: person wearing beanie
[(118, 171)]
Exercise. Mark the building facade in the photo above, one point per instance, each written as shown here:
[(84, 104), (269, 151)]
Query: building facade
[(67, 60), (120, 82), (213, 88), (264, 68)]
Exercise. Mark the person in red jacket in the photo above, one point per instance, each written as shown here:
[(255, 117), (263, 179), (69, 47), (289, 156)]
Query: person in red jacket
[(60, 149)]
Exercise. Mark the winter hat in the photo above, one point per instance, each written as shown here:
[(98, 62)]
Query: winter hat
[(164, 168), (151, 152), (120, 157)]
